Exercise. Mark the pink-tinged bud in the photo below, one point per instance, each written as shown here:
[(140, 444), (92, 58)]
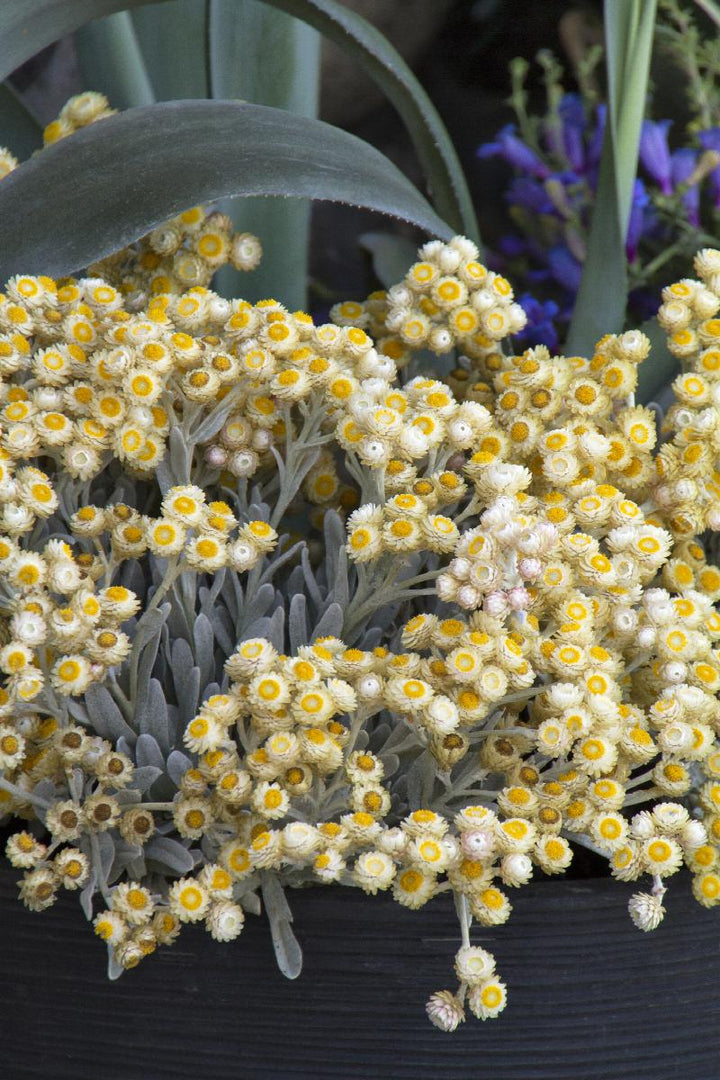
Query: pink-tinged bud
[(496, 604), (468, 597), (216, 456), (445, 1011), (530, 569), (478, 843), (518, 599)]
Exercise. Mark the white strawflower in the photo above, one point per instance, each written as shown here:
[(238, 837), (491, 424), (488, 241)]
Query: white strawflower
[(473, 965), (563, 695), (646, 911), (300, 839), (642, 826), (488, 999), (516, 869), (693, 835), (225, 920), (670, 817), (374, 870)]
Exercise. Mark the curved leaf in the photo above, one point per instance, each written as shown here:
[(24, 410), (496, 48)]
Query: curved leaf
[(114, 181), (385, 65), (266, 57), (26, 26)]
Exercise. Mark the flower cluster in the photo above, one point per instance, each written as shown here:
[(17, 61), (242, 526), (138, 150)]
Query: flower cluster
[(78, 112), (279, 604), (555, 160)]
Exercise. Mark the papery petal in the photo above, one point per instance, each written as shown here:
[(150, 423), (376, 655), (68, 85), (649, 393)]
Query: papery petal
[(655, 152), (510, 148)]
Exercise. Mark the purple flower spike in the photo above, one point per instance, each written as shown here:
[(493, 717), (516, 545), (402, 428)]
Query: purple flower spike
[(710, 140), (512, 246), (655, 152), (573, 130), (682, 164), (540, 328), (565, 268), (531, 195), (637, 219), (513, 150)]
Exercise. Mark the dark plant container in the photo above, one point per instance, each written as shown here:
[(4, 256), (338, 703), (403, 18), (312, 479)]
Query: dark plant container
[(591, 997)]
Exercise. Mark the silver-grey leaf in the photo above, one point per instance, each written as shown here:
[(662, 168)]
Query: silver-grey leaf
[(297, 622), (189, 699), (281, 560), (391, 763), (104, 715), (204, 642), (145, 776), (87, 894), (335, 540), (341, 586), (259, 603), (251, 902), (310, 581), (151, 715), (271, 628), (177, 765), (287, 950), (170, 854), (330, 623), (420, 778), (147, 752), (106, 848), (114, 967)]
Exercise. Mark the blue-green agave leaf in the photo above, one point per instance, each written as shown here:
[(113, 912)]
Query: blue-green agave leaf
[(112, 182)]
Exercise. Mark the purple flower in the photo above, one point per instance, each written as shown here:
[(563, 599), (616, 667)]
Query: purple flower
[(710, 140), (572, 115), (655, 152), (682, 165), (511, 245), (513, 150), (530, 194), (636, 223), (540, 329), (565, 268)]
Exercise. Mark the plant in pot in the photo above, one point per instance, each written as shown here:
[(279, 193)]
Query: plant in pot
[(373, 601)]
